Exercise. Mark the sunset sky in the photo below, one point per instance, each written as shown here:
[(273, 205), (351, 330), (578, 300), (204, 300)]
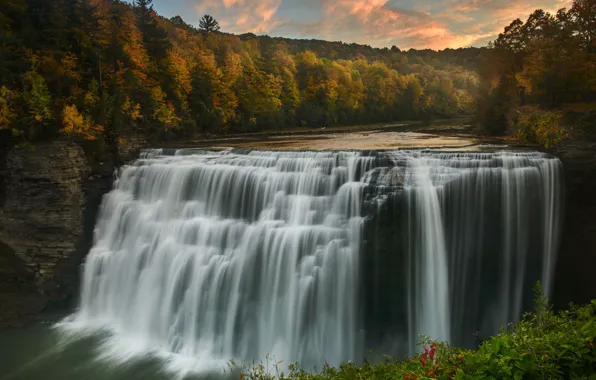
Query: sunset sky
[(435, 24)]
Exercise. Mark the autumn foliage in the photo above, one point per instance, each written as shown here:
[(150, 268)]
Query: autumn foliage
[(104, 68), (537, 69), (100, 68)]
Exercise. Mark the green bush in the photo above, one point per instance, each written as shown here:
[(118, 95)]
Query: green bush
[(544, 345), (543, 128)]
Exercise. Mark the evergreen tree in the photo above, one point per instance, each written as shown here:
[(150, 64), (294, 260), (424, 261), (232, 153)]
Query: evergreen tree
[(155, 38), (209, 24), (11, 15)]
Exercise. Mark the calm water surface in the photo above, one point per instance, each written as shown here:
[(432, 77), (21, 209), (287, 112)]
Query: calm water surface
[(43, 352)]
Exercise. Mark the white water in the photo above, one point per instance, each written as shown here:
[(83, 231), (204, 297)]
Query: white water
[(201, 257)]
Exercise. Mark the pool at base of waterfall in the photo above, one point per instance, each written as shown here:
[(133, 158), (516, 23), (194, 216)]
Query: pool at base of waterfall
[(43, 352)]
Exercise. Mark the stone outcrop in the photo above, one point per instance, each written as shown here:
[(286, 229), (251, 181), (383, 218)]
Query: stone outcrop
[(41, 224), (49, 199), (42, 215), (129, 147), (574, 278), (41, 221)]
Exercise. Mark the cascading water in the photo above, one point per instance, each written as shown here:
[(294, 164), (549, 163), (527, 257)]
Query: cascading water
[(202, 257)]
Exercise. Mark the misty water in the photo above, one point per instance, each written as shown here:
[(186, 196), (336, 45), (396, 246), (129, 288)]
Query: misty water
[(201, 257)]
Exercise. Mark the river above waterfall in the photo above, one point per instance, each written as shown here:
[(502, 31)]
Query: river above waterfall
[(204, 256), (451, 136)]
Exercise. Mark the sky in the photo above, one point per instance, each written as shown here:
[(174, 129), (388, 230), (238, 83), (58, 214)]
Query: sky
[(419, 24)]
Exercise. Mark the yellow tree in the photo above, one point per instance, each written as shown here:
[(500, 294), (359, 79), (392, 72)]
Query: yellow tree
[(178, 70), (163, 110), (76, 125)]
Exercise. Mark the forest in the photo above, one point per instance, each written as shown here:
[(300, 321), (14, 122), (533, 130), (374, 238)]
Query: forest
[(90, 68), (539, 77)]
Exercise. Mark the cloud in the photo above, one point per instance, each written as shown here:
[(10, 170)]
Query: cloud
[(241, 16), (471, 5), (378, 23), (435, 24)]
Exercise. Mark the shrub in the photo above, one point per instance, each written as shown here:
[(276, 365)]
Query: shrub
[(543, 128), (544, 345)]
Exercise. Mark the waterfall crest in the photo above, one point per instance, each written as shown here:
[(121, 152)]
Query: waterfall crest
[(218, 255)]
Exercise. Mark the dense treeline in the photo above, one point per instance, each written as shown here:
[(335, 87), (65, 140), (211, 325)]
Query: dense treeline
[(105, 67), (539, 73)]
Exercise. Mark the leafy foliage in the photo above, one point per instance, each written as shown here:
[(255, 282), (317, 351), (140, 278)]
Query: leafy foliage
[(547, 62), (543, 128), (76, 125), (544, 345)]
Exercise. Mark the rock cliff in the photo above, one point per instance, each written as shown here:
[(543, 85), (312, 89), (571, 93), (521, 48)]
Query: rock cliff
[(574, 278), (49, 199), (41, 222)]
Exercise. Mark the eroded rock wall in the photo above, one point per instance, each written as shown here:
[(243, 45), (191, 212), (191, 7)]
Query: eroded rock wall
[(42, 216), (41, 221)]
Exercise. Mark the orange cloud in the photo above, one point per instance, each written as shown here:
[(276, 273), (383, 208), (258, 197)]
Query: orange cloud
[(241, 16), (374, 22), (435, 24)]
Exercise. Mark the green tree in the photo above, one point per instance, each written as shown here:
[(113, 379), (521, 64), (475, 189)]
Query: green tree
[(155, 37), (37, 97)]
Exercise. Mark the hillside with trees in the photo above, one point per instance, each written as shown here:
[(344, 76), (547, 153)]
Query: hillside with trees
[(91, 68), (103, 68), (539, 77)]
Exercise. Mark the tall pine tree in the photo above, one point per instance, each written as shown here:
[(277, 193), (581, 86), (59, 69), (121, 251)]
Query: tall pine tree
[(155, 37)]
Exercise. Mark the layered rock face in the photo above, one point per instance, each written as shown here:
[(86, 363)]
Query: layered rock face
[(49, 198), (42, 216), (41, 223)]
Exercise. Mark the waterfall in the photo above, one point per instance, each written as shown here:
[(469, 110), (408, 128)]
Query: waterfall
[(202, 257)]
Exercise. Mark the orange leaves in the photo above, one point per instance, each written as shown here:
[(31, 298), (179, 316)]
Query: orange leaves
[(232, 67), (75, 124), (178, 70), (69, 66), (133, 111)]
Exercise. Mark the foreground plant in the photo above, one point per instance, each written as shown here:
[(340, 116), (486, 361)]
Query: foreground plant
[(544, 345)]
